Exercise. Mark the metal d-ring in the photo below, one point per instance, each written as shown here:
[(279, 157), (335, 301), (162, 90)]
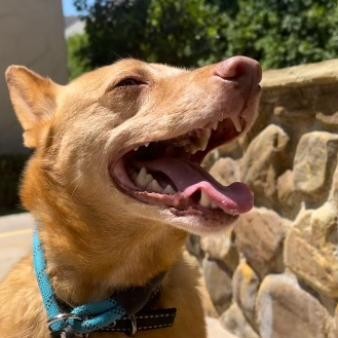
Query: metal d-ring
[(133, 321), (60, 318)]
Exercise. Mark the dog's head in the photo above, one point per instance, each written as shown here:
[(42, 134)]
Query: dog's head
[(124, 142)]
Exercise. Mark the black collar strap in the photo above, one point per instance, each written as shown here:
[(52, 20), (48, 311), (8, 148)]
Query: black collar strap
[(137, 302), (143, 321)]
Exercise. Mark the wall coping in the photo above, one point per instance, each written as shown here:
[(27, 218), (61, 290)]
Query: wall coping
[(325, 72)]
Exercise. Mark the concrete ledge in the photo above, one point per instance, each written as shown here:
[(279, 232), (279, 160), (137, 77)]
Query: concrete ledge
[(325, 72), (15, 239)]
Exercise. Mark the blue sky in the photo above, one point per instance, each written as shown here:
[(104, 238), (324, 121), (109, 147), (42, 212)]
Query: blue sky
[(69, 9)]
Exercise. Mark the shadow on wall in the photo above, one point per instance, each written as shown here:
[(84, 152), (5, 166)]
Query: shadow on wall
[(11, 167)]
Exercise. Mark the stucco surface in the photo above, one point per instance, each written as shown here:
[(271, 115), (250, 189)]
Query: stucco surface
[(31, 34)]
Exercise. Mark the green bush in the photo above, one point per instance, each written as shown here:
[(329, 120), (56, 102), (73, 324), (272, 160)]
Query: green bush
[(188, 33), (283, 33), (11, 167), (77, 63), (177, 32)]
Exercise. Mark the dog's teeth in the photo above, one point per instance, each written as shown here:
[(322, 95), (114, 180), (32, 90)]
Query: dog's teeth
[(154, 186), (169, 190), (204, 200), (237, 123), (215, 125), (205, 139), (148, 179), (146, 145), (213, 205), (134, 175), (143, 178)]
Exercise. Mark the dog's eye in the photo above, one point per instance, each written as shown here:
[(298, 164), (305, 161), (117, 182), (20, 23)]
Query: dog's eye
[(129, 81)]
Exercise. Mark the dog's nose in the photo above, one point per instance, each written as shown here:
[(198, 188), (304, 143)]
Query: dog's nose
[(239, 68)]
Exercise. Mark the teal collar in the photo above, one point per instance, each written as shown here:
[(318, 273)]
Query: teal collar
[(116, 314), (82, 319)]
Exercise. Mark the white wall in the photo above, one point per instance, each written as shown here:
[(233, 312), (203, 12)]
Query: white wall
[(31, 34)]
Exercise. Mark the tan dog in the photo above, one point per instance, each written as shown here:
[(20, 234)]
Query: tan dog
[(115, 183)]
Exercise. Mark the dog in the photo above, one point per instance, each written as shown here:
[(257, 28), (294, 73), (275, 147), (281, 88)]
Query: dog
[(115, 186)]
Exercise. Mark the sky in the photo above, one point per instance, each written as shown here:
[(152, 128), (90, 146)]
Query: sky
[(69, 9)]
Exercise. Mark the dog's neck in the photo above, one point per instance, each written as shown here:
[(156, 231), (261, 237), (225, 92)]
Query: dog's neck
[(84, 273), (89, 258), (83, 270)]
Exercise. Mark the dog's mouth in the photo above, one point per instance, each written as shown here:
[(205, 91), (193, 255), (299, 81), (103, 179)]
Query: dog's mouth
[(168, 174)]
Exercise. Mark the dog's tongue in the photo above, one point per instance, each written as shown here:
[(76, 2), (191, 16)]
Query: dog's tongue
[(189, 178)]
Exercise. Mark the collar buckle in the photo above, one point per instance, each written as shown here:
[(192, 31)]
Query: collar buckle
[(67, 332)]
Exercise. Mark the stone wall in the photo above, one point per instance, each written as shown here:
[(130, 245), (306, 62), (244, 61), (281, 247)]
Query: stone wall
[(31, 34), (275, 275)]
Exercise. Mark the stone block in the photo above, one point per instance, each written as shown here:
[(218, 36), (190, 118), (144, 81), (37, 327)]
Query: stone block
[(311, 249), (215, 330), (335, 330), (334, 189), (234, 321), (193, 245), (258, 166), (226, 171), (316, 152), (218, 282), (288, 198), (285, 310), (221, 247), (259, 236), (330, 120), (245, 285)]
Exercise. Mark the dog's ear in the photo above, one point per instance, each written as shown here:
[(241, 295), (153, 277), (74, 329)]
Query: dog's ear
[(34, 101)]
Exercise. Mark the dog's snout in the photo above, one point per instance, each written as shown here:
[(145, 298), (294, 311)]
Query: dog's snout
[(239, 68)]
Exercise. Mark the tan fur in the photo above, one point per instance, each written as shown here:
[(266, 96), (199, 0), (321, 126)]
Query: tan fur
[(97, 239)]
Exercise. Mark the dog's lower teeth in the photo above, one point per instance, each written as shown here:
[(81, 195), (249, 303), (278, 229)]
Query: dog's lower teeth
[(146, 181), (169, 190), (213, 205), (204, 200), (143, 178), (153, 186)]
